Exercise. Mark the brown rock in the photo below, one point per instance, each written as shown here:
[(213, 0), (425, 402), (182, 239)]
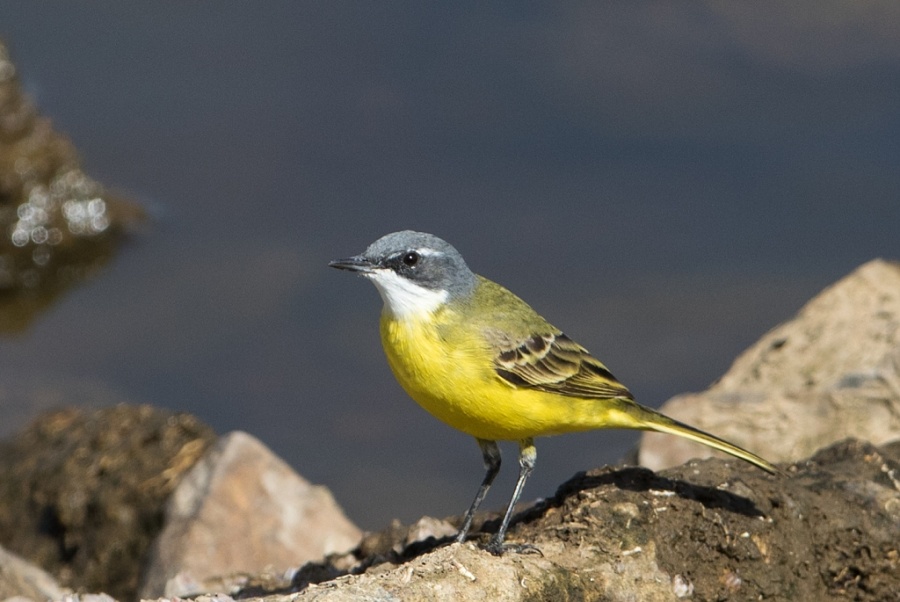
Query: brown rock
[(82, 492), (242, 509), (831, 372), (57, 225)]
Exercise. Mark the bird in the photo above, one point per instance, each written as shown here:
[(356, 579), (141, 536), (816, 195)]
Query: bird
[(480, 359)]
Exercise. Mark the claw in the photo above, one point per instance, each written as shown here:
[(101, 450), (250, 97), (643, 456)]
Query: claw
[(498, 548)]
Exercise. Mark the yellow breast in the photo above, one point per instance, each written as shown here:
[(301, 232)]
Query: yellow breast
[(448, 369)]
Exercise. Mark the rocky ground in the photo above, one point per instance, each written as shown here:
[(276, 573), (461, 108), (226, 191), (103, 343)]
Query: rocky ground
[(828, 529), (707, 530)]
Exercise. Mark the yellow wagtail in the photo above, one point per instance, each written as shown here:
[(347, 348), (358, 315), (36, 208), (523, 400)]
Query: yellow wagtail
[(483, 361)]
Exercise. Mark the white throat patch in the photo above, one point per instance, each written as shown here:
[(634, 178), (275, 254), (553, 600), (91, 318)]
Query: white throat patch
[(404, 298)]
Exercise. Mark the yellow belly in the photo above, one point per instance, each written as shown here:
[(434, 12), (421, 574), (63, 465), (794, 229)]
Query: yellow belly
[(455, 381)]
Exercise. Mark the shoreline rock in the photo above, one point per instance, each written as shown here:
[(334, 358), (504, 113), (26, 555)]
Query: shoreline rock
[(831, 372)]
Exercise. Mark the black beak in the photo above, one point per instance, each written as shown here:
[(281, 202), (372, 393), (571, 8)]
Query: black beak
[(353, 264)]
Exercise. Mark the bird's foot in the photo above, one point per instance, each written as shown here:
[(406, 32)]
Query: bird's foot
[(498, 548)]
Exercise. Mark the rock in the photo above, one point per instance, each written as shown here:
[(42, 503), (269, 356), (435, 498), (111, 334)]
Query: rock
[(399, 537), (242, 509), (831, 372), (83, 492), (86, 598), (20, 578), (427, 528), (57, 225), (708, 530)]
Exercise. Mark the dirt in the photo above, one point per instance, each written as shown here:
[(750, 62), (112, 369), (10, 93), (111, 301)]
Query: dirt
[(735, 533)]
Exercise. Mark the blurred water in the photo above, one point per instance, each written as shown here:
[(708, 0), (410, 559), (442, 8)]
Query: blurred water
[(663, 182)]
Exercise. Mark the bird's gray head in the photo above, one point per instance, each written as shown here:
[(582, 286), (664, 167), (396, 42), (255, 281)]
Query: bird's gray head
[(415, 272)]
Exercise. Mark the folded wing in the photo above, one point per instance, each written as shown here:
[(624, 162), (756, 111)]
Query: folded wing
[(557, 364)]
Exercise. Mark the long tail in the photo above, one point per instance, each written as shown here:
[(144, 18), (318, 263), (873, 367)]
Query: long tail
[(650, 420)]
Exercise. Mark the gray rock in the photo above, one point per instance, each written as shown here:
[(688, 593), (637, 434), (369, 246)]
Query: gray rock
[(87, 598), (831, 372), (241, 509), (21, 579)]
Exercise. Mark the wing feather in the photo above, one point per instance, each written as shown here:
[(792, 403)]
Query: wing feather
[(556, 364)]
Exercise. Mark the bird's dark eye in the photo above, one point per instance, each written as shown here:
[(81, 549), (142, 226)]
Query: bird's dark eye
[(410, 259)]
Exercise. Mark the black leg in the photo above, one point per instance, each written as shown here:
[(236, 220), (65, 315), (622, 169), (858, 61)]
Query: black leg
[(527, 458), (491, 454)]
